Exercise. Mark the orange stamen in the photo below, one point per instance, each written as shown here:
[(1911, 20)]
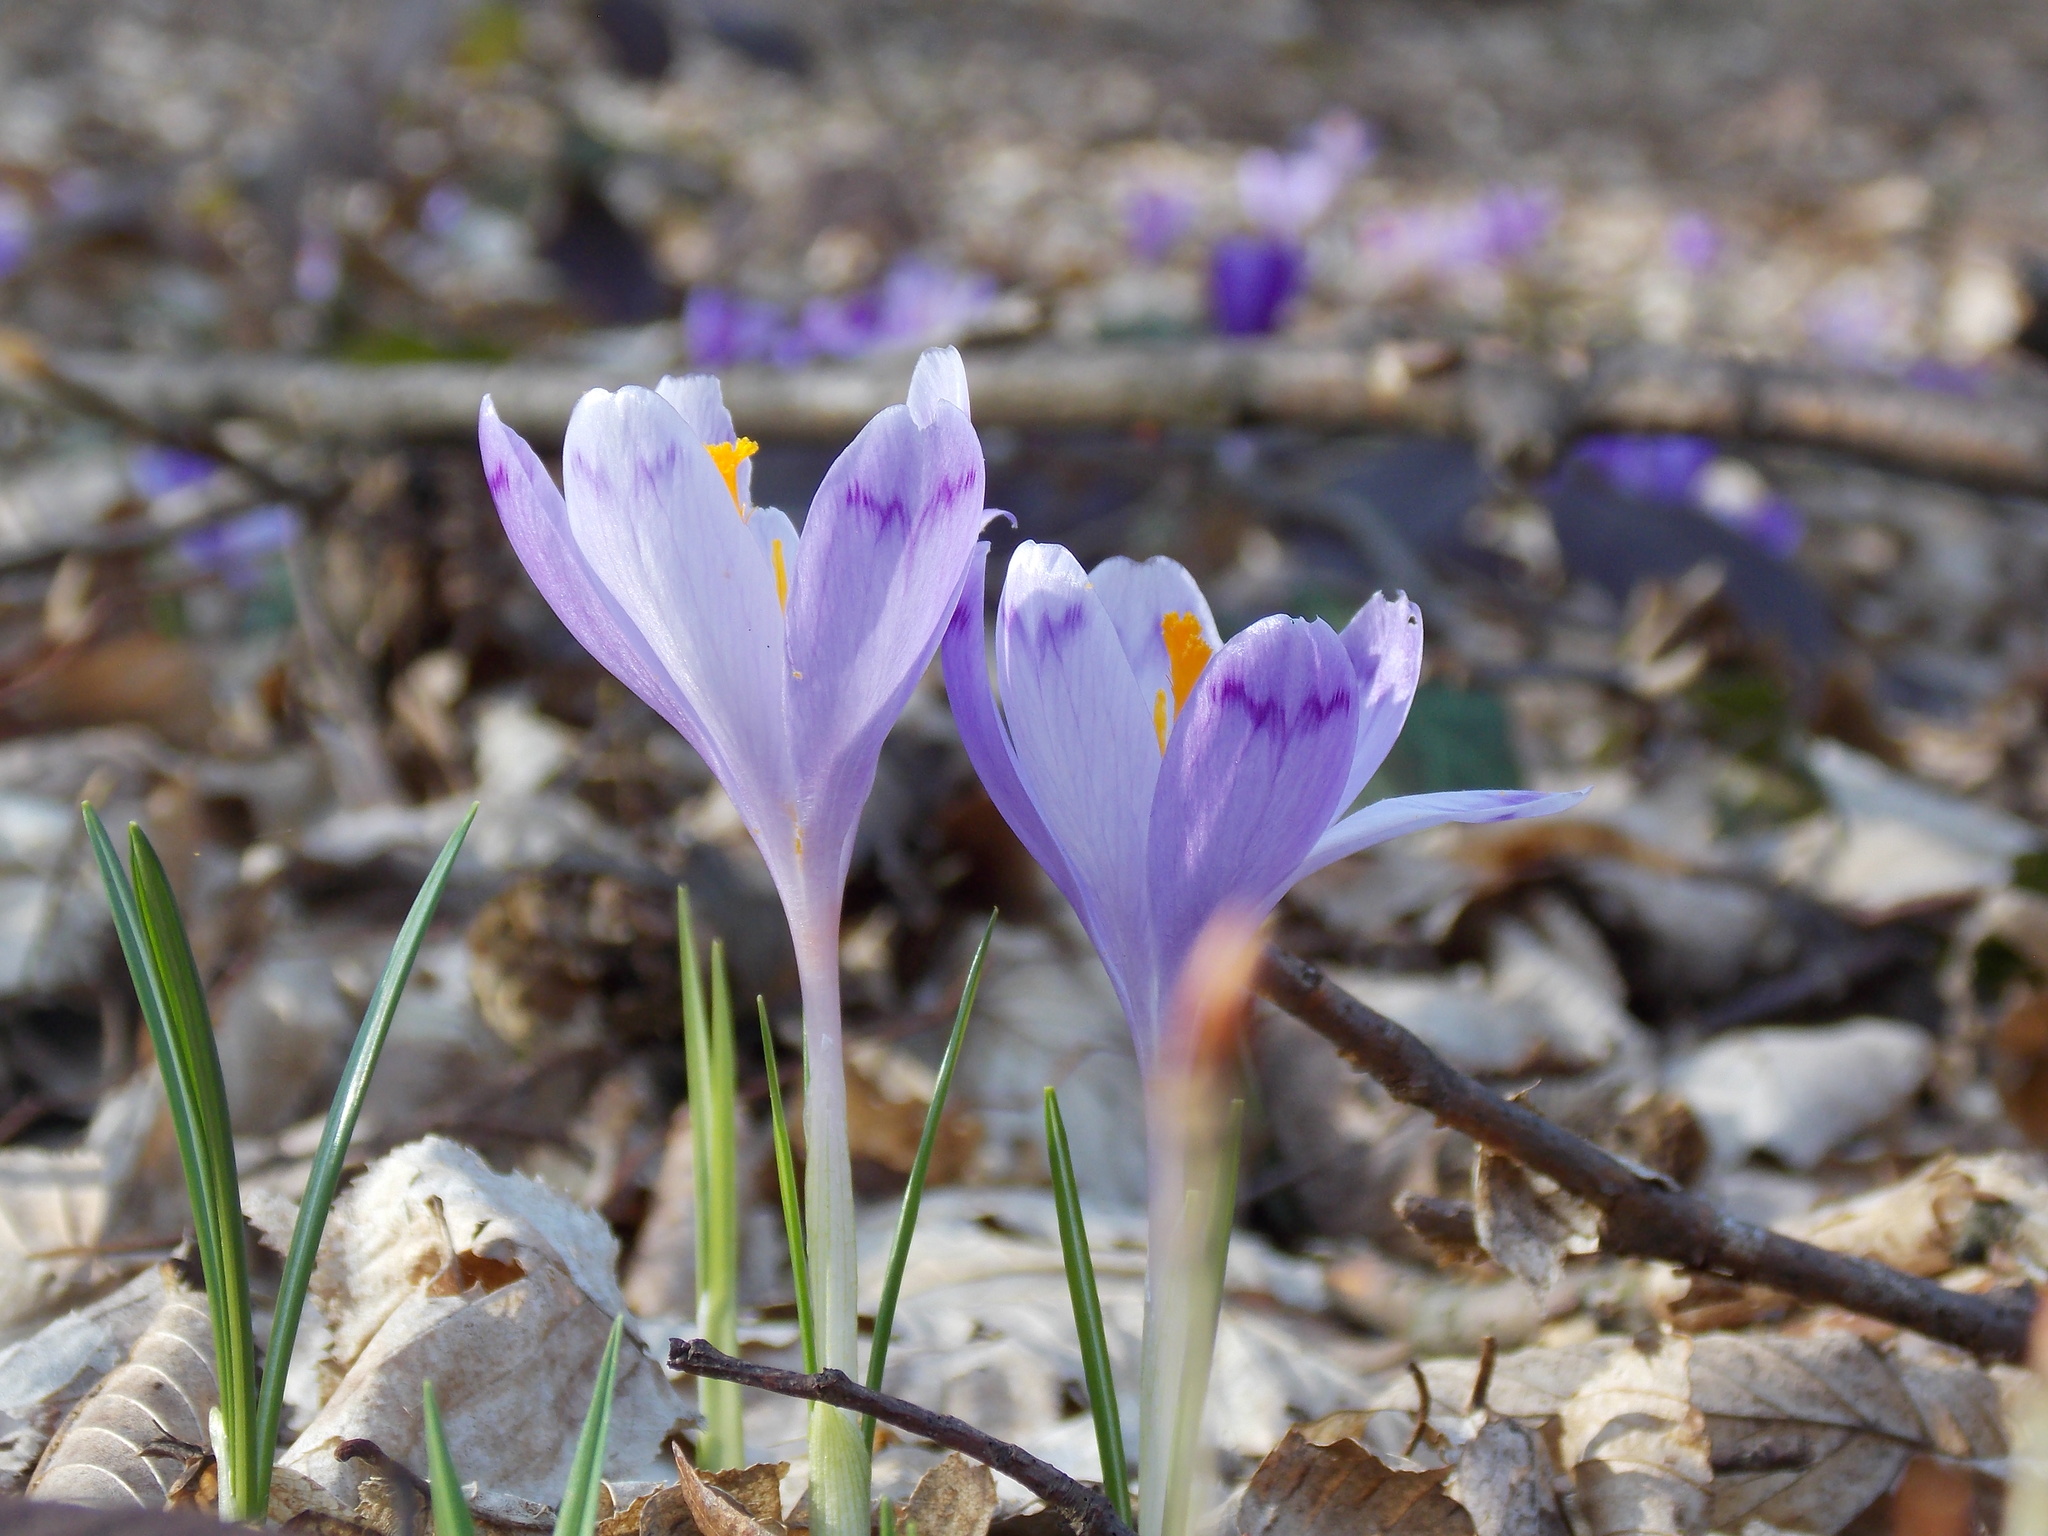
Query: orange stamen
[(728, 457), (1159, 719), (781, 572), (1187, 652)]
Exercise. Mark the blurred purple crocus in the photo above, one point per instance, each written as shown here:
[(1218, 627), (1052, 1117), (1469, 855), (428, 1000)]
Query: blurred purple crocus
[(1252, 279), (17, 229), (1155, 220), (1497, 228), (1162, 777), (783, 659), (1683, 470), (917, 302), (240, 550)]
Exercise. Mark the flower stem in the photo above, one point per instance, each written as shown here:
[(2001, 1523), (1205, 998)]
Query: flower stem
[(839, 1459)]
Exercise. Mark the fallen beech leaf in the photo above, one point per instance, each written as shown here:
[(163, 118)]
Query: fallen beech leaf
[(1636, 1446), (1529, 1226), (888, 1095), (1342, 1489), (36, 1519), (1505, 1480), (42, 1377), (955, 1498), (1807, 1433), (102, 1455), (502, 1292)]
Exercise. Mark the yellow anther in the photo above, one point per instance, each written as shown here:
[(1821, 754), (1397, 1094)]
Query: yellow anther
[(1187, 652), (1159, 719), (781, 572), (728, 457)]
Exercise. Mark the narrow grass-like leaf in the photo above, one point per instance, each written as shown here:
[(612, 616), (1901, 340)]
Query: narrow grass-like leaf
[(325, 1176), (1080, 1265), (792, 1205), (135, 950), (224, 1253), (885, 1518), (451, 1509), (708, 1055), (577, 1515), (920, 1167)]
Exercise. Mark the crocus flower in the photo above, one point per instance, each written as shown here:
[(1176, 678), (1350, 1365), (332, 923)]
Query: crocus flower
[(783, 658), (1173, 787), (1161, 776), (1155, 219), (1252, 279)]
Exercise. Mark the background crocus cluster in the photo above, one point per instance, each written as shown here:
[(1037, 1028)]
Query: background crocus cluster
[(1254, 275), (1684, 470), (916, 303)]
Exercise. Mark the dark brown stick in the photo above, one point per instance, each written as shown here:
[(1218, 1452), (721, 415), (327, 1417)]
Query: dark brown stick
[(1643, 1217), (1516, 408), (1084, 1507)]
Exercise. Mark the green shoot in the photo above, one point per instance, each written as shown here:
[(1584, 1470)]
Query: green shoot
[(1095, 1366), (885, 1518), (451, 1509), (159, 957), (325, 1175), (708, 1050), (578, 1513), (792, 1206), (920, 1166)]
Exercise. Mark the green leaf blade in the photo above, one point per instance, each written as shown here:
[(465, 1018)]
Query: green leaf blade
[(325, 1175), (1087, 1303), (578, 1513), (451, 1509), (920, 1168)]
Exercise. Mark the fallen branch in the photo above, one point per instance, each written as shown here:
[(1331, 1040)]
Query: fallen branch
[(1084, 1507), (1643, 1216), (1517, 409)]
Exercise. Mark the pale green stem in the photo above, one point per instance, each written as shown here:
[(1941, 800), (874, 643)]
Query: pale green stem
[(1191, 1178), (839, 1457)]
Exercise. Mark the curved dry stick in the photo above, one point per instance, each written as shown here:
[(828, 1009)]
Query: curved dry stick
[(1084, 1507), (1643, 1217)]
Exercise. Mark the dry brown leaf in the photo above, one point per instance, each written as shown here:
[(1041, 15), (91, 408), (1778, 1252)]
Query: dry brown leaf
[(1506, 1482), (1341, 1489), (1528, 1224), (888, 1095), (955, 1498), (1807, 1433), (713, 1510), (162, 1391), (1636, 1446)]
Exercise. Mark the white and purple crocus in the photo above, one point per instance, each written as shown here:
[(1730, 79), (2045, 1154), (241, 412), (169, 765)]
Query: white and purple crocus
[(784, 659), (1166, 781)]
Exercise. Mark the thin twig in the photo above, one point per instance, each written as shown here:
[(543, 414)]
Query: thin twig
[(1643, 1217), (1082, 1506)]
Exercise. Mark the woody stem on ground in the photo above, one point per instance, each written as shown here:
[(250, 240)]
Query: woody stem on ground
[(1642, 1215), (1082, 1506)]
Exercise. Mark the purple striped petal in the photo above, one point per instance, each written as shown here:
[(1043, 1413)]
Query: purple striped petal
[(1085, 753), (654, 519), (874, 581), (1384, 642), (1387, 819), (1138, 596), (537, 523), (963, 656), (700, 401), (1253, 774)]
